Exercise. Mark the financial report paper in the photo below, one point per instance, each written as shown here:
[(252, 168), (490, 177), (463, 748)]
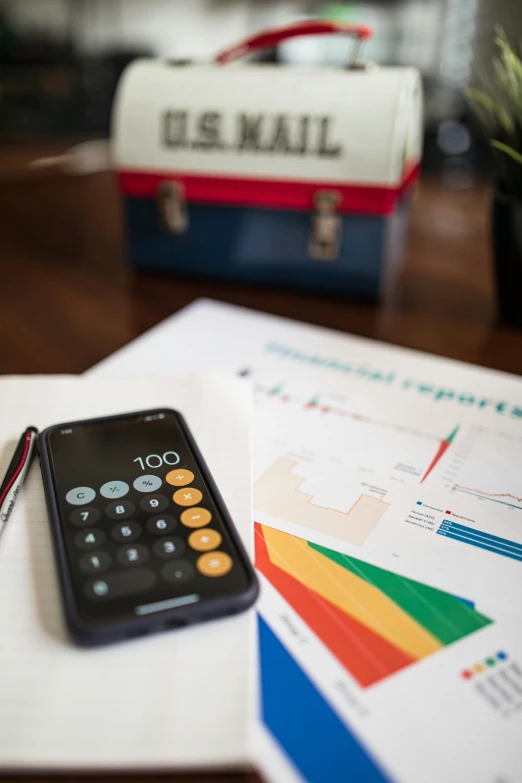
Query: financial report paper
[(388, 526)]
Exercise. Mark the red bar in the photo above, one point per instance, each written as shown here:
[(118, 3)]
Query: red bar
[(269, 193)]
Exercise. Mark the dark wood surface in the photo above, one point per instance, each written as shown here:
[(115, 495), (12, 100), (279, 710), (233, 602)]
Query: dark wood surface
[(67, 299)]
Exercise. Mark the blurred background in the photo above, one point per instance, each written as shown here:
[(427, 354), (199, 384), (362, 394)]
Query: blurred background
[(60, 60)]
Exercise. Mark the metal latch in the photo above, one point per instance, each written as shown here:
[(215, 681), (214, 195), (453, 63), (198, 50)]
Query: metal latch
[(172, 206), (325, 239)]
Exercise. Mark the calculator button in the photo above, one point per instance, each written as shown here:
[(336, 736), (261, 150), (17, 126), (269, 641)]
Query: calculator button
[(196, 517), (177, 572), (94, 562), (134, 554), (147, 483), (154, 503), (120, 509), (121, 583), (161, 524), (85, 516), (169, 548), (204, 540), (180, 478), (187, 497), (114, 489), (214, 564), (80, 496), (126, 532), (90, 539)]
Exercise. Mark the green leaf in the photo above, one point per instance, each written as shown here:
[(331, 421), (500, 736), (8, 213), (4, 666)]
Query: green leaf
[(517, 156)]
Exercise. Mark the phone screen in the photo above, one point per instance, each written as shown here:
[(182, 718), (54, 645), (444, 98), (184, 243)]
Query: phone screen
[(142, 527)]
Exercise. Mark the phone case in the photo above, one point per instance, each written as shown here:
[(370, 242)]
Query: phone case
[(92, 633)]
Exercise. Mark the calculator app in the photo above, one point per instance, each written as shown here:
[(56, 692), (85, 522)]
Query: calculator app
[(142, 530)]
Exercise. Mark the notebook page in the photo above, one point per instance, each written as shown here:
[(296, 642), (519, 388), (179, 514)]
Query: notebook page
[(170, 700)]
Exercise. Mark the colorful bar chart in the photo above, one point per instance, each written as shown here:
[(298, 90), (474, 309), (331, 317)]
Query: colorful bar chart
[(469, 535), (373, 621), (306, 728)]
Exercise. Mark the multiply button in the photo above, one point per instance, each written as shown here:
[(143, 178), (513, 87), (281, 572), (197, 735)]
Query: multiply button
[(196, 517), (114, 489), (139, 580), (204, 540), (187, 497), (214, 564), (80, 496), (180, 478), (147, 483), (90, 539), (126, 532)]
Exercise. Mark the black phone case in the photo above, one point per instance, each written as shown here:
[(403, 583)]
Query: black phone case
[(91, 633)]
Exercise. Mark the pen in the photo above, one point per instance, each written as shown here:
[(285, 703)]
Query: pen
[(16, 473)]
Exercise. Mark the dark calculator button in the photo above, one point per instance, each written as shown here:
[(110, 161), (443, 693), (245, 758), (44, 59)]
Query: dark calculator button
[(120, 509), (154, 503), (177, 572), (161, 524), (126, 532), (85, 516), (169, 547), (121, 583), (90, 539), (132, 555), (94, 562)]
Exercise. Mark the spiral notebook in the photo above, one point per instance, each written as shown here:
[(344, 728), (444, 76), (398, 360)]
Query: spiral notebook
[(168, 701)]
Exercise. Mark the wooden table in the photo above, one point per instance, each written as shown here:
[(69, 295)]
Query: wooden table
[(67, 299)]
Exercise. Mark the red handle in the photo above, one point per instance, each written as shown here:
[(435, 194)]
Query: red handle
[(267, 39)]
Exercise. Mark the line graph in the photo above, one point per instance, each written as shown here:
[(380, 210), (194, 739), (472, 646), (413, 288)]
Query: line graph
[(487, 465)]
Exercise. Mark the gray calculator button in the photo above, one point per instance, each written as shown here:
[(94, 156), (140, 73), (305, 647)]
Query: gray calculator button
[(132, 555), (85, 516), (119, 584), (120, 509), (168, 548), (126, 532), (93, 562), (114, 489), (178, 572), (80, 496), (161, 524), (90, 538), (147, 483)]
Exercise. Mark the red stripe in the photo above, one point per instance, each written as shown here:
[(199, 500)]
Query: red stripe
[(270, 193), (18, 469), (366, 655)]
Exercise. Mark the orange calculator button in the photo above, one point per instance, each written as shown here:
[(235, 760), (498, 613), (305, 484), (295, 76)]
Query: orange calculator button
[(187, 497), (214, 564), (205, 540), (196, 517), (180, 478)]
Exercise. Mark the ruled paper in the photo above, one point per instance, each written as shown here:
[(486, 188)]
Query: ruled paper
[(168, 701)]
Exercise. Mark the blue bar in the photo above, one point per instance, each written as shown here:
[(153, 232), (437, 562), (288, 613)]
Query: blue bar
[(475, 542), (480, 533), (318, 743)]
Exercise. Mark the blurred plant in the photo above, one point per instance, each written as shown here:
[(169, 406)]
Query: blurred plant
[(499, 110)]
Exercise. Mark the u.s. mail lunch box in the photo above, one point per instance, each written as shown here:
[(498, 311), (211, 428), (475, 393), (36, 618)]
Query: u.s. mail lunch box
[(269, 174)]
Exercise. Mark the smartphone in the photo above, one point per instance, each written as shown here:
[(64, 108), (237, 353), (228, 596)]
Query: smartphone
[(142, 538)]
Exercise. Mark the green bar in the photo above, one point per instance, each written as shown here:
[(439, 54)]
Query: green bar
[(446, 617)]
